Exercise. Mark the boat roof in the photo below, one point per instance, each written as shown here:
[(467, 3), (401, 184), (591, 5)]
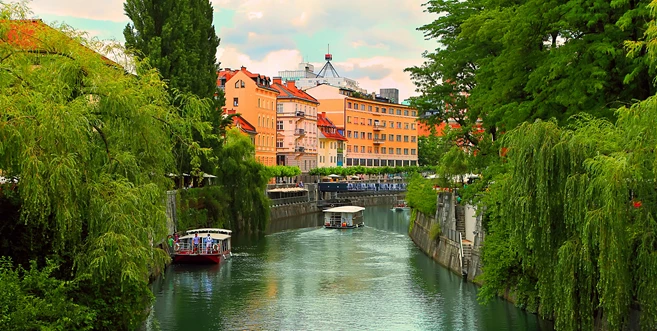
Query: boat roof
[(209, 230), (217, 236), (344, 209)]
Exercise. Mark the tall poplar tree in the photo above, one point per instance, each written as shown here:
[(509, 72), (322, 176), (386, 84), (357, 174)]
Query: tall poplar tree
[(178, 38)]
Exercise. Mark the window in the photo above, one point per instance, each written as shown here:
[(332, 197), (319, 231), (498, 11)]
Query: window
[(412, 126), (399, 137), (391, 137), (355, 120), (235, 102), (259, 103), (398, 125), (362, 107), (362, 149), (405, 151), (279, 125), (405, 139), (369, 149), (392, 124), (348, 119), (279, 143), (376, 150), (237, 84), (356, 106), (405, 126), (376, 109), (242, 83), (362, 135), (279, 107), (369, 121), (362, 121), (259, 121), (412, 151), (412, 139), (356, 134), (348, 104), (383, 150), (391, 150), (369, 108), (369, 135), (413, 113), (398, 151), (355, 148), (398, 111), (348, 134)]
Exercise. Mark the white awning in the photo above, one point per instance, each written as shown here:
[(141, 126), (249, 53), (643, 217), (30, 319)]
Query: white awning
[(287, 190), (344, 209)]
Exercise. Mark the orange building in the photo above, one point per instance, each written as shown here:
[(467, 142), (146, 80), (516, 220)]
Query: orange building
[(379, 133), (252, 96), (244, 125)]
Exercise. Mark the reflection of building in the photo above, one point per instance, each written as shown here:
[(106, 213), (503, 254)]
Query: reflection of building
[(296, 126), (331, 143), (391, 94), (305, 77), (252, 96), (379, 133)]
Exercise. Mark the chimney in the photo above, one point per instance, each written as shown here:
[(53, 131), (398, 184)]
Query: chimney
[(373, 95), (324, 113), (290, 85), (243, 68), (277, 80)]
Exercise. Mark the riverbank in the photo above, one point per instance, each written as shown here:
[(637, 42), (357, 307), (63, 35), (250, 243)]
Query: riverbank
[(309, 207)]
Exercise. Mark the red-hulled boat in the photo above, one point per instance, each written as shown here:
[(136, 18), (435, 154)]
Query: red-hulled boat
[(212, 246)]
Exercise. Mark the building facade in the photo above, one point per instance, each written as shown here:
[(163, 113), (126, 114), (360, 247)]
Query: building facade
[(252, 96), (331, 143), (379, 133), (296, 126)]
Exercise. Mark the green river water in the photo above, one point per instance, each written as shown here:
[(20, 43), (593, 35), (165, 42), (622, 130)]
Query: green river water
[(304, 277)]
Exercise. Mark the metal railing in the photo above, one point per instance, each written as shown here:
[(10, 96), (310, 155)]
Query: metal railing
[(299, 132)]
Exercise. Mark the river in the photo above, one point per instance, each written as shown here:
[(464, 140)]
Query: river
[(371, 278)]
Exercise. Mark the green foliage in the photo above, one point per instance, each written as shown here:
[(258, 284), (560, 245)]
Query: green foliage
[(429, 150), (34, 300), (435, 231), (179, 40), (413, 218), (91, 146), (204, 207), (564, 220), (420, 195), (283, 171)]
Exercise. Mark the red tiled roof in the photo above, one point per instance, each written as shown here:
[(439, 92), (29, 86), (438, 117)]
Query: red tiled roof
[(325, 125), (228, 74), (28, 35), (290, 91), (241, 123)]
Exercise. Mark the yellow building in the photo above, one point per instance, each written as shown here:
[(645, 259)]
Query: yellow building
[(252, 96), (379, 133), (331, 143)]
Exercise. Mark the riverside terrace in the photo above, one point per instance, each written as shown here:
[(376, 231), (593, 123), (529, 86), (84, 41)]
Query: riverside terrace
[(284, 194)]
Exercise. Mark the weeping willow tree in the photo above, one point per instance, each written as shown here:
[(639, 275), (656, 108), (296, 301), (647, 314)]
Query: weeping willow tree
[(574, 233), (88, 146)]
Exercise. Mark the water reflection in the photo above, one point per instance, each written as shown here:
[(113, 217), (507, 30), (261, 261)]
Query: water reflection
[(372, 278)]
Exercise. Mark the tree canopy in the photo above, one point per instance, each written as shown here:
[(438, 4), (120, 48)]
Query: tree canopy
[(89, 147)]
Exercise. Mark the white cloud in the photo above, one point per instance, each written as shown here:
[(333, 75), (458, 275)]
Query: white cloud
[(106, 10)]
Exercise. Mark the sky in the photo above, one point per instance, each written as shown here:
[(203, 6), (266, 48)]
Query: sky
[(372, 41)]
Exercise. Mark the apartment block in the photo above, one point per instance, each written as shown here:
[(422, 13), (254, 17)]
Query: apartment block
[(296, 126), (379, 133), (252, 96), (331, 143)]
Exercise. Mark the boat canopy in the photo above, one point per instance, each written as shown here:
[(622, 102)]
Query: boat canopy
[(215, 236), (209, 230), (344, 209)]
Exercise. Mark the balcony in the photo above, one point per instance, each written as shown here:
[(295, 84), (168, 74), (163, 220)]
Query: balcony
[(378, 127), (299, 132), (379, 141), (301, 113), (300, 149), (340, 151)]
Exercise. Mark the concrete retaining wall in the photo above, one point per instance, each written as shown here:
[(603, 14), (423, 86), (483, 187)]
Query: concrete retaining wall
[(298, 209), (442, 250)]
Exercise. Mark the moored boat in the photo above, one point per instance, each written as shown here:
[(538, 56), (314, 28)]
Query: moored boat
[(344, 217), (401, 206), (212, 246)]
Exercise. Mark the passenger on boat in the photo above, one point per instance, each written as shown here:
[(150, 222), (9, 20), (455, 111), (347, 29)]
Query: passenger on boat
[(208, 244), (195, 241)]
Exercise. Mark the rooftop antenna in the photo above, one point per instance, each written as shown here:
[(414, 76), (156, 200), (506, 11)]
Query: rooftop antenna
[(328, 67)]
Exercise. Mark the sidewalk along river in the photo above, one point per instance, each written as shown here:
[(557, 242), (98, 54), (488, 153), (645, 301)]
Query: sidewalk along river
[(370, 278)]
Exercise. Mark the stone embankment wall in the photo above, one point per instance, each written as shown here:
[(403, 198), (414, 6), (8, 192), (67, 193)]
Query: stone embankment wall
[(302, 208), (442, 250)]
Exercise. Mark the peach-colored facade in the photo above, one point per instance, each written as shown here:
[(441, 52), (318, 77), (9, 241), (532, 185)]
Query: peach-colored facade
[(296, 126), (331, 143), (252, 96), (379, 133)]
